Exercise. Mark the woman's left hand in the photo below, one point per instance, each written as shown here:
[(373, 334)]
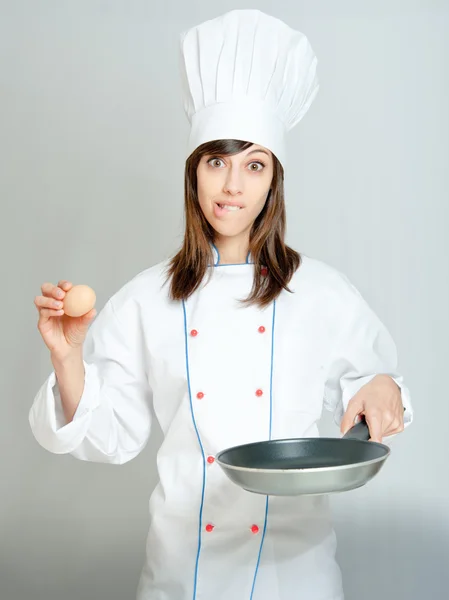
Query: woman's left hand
[(380, 401)]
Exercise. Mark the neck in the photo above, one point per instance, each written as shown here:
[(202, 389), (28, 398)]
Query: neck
[(232, 250)]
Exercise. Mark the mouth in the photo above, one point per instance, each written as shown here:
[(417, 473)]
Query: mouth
[(228, 207)]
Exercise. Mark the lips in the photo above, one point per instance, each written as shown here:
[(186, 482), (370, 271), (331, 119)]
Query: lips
[(224, 209), (229, 205)]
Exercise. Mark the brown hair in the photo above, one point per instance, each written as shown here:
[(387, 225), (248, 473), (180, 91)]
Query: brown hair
[(266, 243)]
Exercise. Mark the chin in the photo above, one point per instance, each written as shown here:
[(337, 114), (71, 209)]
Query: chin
[(227, 229)]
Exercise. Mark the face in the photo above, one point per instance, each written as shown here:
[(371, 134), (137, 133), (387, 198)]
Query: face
[(232, 190)]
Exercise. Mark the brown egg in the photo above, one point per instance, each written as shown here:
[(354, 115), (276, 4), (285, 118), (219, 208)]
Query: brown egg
[(79, 300)]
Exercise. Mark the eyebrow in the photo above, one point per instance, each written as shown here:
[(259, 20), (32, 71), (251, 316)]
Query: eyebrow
[(258, 150), (252, 152)]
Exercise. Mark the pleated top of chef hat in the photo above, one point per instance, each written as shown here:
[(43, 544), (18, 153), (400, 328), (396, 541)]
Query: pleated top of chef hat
[(246, 76)]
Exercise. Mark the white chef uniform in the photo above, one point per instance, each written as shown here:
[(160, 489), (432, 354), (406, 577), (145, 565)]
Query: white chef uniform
[(215, 375)]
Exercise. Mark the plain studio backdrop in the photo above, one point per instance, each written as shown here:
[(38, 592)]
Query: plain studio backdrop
[(92, 156)]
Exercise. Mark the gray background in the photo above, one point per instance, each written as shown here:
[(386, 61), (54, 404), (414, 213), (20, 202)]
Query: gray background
[(92, 153)]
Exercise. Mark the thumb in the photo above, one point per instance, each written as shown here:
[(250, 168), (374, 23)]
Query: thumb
[(87, 318), (81, 324), (349, 417)]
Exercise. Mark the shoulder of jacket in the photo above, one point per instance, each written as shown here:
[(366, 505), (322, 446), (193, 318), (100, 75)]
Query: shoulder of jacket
[(324, 278), (145, 285)]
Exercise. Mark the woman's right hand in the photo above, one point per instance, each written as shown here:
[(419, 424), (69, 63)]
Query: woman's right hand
[(63, 335)]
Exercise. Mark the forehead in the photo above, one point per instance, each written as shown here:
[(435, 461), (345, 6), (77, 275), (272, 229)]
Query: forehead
[(255, 148)]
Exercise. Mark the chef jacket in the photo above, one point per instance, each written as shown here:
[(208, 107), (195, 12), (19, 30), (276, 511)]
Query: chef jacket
[(215, 374)]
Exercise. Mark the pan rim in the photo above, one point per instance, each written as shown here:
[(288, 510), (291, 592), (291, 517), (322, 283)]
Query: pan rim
[(306, 469)]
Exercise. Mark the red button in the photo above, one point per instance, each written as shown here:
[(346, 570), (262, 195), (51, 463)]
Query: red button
[(200, 395), (255, 529), (259, 393), (209, 527), (210, 459), (261, 329), (264, 271), (194, 332)]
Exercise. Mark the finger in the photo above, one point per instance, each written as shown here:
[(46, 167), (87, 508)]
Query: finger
[(374, 422), (393, 432), (46, 288), (350, 416), (396, 427), (391, 421), (47, 313), (65, 285), (52, 291), (46, 302)]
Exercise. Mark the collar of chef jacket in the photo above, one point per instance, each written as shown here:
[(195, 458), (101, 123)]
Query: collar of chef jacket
[(216, 255)]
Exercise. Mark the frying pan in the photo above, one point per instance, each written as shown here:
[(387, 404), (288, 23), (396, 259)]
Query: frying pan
[(305, 466)]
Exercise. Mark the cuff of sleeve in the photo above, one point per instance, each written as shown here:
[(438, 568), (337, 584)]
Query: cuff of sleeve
[(47, 419), (352, 388), (406, 401)]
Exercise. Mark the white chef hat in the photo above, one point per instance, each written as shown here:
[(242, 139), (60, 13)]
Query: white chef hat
[(246, 76)]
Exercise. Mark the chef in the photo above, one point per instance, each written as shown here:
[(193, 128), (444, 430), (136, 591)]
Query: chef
[(237, 338)]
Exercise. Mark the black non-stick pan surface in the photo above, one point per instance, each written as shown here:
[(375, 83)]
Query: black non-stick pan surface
[(305, 466)]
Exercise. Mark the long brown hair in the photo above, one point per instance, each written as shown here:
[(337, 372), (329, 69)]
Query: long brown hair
[(188, 267)]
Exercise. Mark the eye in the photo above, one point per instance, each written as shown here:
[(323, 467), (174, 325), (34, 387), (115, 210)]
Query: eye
[(216, 159), (258, 162)]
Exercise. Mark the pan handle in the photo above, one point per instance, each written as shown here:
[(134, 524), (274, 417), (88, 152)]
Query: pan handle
[(360, 431)]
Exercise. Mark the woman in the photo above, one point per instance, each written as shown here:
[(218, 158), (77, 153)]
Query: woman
[(238, 338)]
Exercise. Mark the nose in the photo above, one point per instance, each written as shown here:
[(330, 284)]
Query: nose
[(233, 184)]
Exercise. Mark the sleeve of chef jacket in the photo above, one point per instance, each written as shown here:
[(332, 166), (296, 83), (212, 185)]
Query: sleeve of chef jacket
[(113, 419), (363, 349)]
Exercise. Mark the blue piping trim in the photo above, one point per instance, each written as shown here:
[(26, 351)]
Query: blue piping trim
[(218, 255), (232, 265), (200, 526), (272, 365), (271, 422), (216, 264)]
